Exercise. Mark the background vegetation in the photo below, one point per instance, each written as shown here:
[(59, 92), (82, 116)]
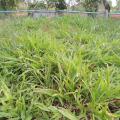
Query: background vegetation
[(8, 4)]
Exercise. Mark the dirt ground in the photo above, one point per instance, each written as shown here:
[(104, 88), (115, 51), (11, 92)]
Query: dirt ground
[(115, 16)]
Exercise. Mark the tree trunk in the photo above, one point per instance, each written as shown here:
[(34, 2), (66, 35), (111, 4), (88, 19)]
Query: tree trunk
[(107, 8)]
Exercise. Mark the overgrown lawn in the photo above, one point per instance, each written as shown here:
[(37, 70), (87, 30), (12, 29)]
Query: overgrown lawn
[(65, 68)]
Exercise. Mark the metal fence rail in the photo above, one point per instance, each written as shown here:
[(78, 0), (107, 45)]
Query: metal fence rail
[(54, 11)]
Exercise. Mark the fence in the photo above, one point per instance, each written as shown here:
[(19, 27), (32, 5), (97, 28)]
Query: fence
[(51, 13)]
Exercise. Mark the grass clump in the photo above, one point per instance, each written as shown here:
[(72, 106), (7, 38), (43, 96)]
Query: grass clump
[(65, 68)]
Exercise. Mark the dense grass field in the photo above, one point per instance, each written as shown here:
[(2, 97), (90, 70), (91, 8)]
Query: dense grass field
[(65, 68)]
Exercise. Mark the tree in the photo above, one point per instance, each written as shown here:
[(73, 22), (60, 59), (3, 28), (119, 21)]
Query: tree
[(107, 7), (8, 4), (46, 4), (118, 4), (60, 5), (92, 6)]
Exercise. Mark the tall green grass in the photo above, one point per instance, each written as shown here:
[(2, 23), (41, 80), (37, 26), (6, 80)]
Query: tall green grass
[(65, 68)]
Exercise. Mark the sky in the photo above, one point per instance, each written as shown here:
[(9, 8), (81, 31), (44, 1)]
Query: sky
[(114, 3)]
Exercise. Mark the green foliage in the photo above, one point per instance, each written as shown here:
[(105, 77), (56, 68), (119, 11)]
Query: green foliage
[(38, 5), (67, 69), (7, 4), (57, 4), (91, 6)]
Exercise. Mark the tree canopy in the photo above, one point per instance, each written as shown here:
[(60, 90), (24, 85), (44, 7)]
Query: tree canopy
[(8, 4)]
